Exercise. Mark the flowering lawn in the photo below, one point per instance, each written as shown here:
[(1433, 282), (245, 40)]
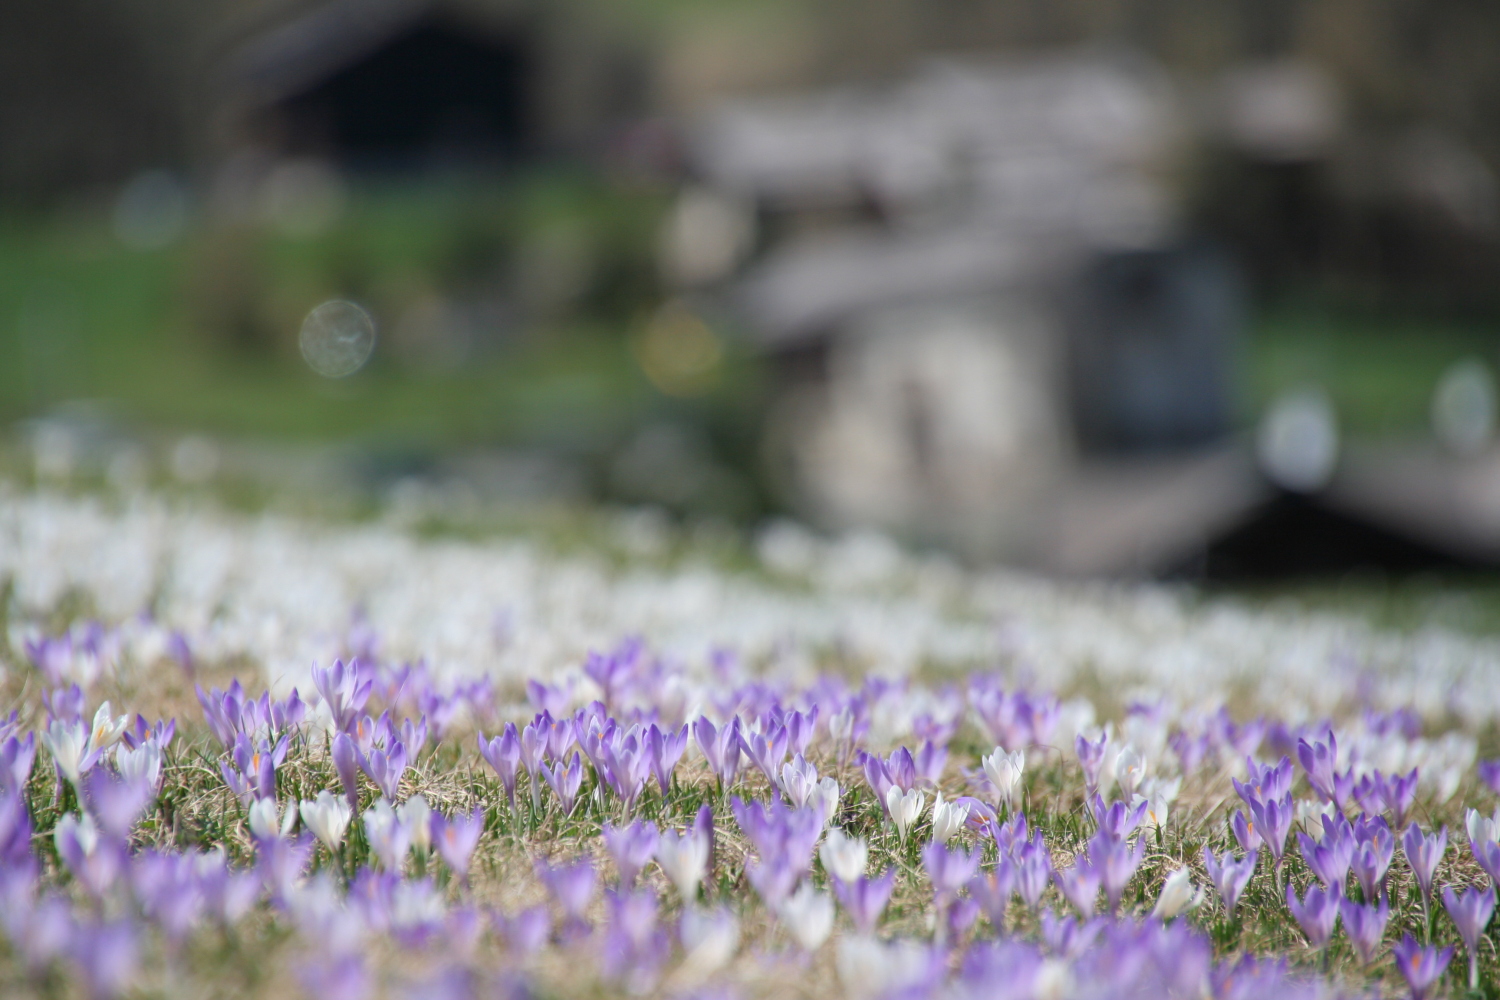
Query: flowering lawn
[(263, 756)]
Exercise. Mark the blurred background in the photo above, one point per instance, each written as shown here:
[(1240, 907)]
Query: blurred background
[(1206, 290)]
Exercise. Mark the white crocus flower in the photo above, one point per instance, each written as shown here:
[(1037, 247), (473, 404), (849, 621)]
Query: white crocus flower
[(106, 730), (1483, 829), (709, 939), (808, 915), (416, 814), (264, 821), (1054, 980), (869, 967), (1004, 771), (141, 765), (1167, 791), (905, 808), (844, 857), (947, 819), (1130, 770), (841, 726), (81, 828), (327, 817), (1157, 810), (683, 858), (1177, 895), (826, 797), (68, 743), (799, 779)]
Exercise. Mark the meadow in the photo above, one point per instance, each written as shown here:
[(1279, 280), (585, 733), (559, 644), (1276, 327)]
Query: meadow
[(267, 755)]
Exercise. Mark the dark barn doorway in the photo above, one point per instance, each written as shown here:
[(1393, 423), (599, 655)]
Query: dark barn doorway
[(437, 94)]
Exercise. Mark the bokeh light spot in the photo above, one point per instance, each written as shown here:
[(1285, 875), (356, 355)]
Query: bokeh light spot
[(337, 338), (678, 351)]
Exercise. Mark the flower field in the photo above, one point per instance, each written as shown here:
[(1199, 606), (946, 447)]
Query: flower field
[(267, 756)]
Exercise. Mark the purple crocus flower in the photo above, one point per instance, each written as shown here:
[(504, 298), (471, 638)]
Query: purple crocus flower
[(280, 862), (960, 917), (1471, 911), (533, 746), (930, 762), (161, 731), (16, 759), (992, 890), (1401, 796), (1245, 832), (1423, 852), (1365, 926), (107, 955), (634, 944), (1091, 759), (1316, 914), (39, 931), (565, 781), (456, 838), (254, 773), (1264, 781), (95, 860), (721, 748), (1011, 833), (343, 690), (1080, 886), (227, 895), (1190, 750), (865, 899), (503, 754), (664, 749), (1230, 877), (778, 831), (1070, 937), (1330, 858), (16, 859), (766, 750), (632, 848), (1119, 820), (116, 802), (902, 768), (621, 762), (385, 768), (525, 932), (1273, 821), (571, 884), (65, 704), (1489, 773), (167, 888), (1033, 863), (346, 762), (1320, 761), (1371, 792), (339, 976), (413, 735), (1419, 966), (773, 878), (1488, 856), (1116, 862), (561, 733), (1372, 857), (878, 776), (801, 727), (949, 869)]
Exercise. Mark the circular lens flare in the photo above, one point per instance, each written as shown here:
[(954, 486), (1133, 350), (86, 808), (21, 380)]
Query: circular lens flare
[(337, 338)]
